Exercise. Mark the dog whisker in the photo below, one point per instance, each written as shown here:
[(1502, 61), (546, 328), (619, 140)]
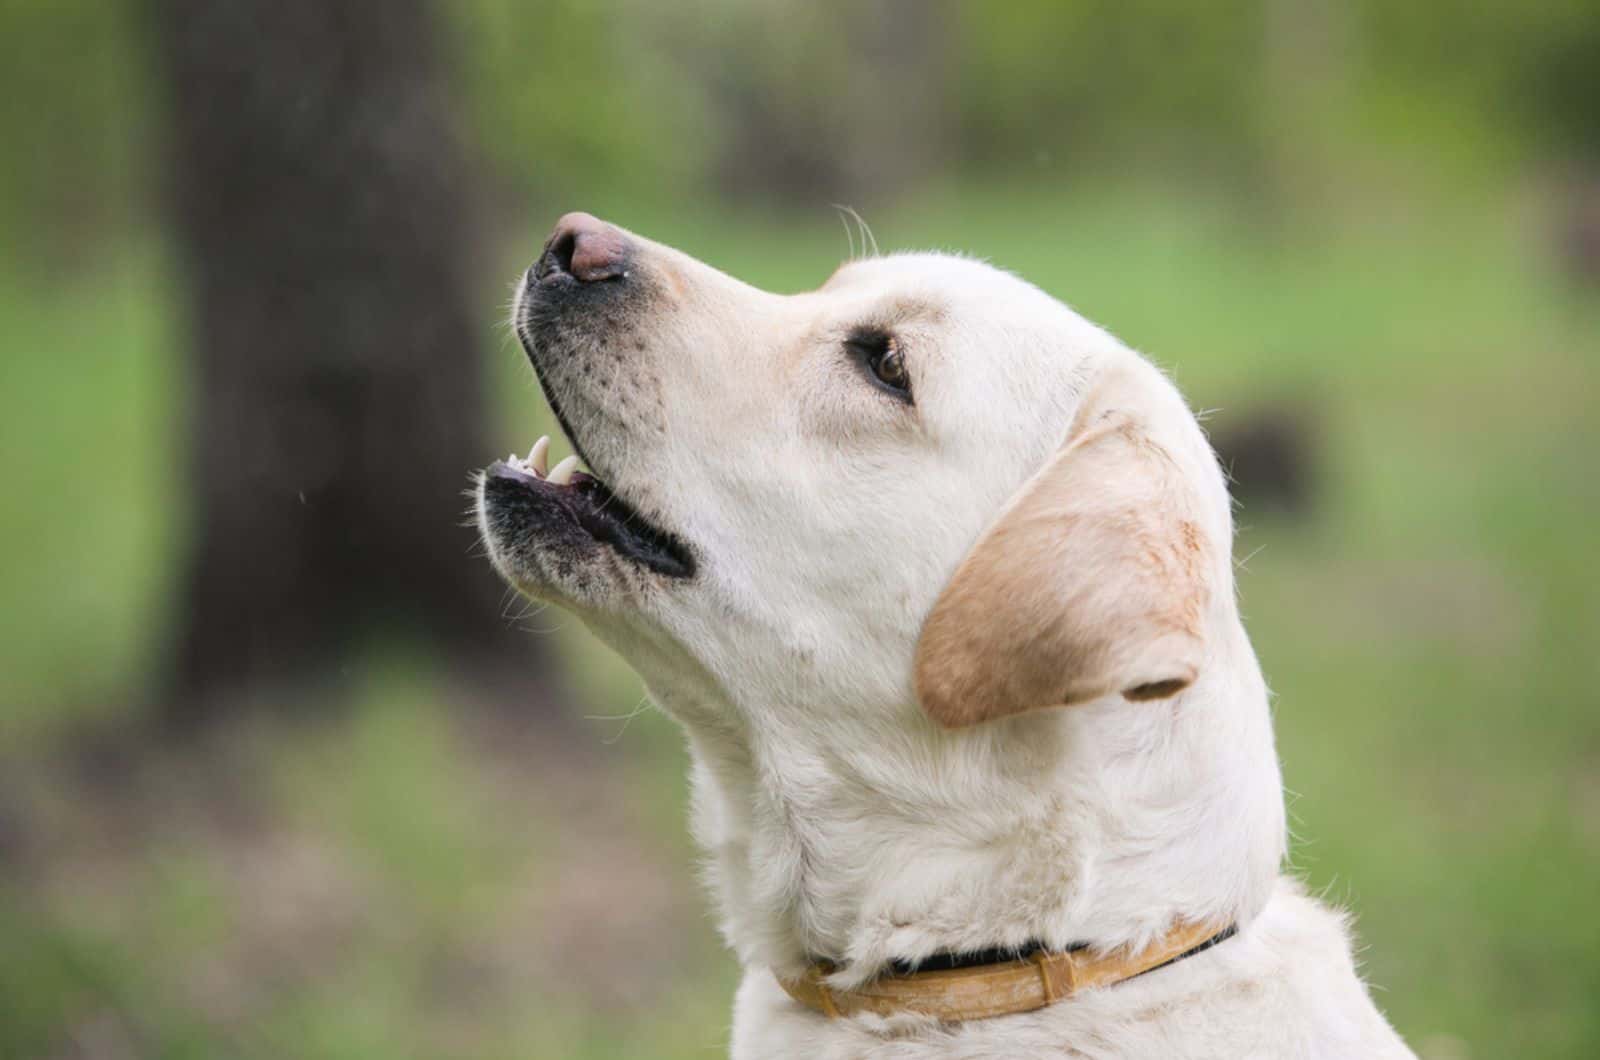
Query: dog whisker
[(626, 719)]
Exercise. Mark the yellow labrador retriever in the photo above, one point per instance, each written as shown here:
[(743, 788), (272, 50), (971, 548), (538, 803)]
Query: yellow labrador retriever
[(936, 576)]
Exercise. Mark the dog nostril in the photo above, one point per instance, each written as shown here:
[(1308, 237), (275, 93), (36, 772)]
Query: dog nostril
[(560, 252)]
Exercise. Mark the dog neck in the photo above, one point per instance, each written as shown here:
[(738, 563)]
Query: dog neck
[(868, 838)]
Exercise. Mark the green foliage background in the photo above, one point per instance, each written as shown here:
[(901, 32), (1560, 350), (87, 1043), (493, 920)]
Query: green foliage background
[(1359, 208)]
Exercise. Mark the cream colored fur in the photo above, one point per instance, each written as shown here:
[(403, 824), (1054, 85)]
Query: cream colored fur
[(1050, 511)]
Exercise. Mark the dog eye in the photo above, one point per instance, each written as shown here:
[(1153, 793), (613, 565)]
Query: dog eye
[(890, 367), (882, 357)]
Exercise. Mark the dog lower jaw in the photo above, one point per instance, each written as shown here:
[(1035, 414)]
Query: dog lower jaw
[(564, 507)]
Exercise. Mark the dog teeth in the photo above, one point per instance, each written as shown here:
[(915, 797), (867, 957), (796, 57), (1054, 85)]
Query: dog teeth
[(539, 457), (562, 474)]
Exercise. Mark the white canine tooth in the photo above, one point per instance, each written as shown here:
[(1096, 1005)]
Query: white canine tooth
[(513, 459), (563, 471), (539, 455)]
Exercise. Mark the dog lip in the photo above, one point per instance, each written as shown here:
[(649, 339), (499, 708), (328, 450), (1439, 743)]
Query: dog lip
[(606, 518), (501, 469)]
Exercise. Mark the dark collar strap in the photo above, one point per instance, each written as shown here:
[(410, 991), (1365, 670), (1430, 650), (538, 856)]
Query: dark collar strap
[(944, 962)]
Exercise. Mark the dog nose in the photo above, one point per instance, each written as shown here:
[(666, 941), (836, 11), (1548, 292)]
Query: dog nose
[(585, 248)]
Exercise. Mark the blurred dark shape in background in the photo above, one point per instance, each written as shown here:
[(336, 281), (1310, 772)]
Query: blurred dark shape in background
[(1578, 238), (1269, 453), (1560, 92), (321, 193)]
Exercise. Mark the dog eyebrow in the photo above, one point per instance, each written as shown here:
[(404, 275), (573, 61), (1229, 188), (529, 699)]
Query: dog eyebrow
[(902, 309)]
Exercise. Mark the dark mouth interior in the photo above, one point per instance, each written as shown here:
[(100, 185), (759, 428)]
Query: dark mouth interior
[(607, 518)]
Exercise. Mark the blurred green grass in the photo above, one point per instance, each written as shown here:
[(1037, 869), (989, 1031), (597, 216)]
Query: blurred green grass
[(394, 881)]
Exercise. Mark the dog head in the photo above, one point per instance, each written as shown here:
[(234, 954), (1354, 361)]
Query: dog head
[(924, 486)]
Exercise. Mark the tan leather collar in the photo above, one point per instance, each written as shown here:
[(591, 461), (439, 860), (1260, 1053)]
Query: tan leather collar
[(986, 990)]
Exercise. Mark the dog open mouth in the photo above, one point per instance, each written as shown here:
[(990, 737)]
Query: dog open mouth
[(591, 506)]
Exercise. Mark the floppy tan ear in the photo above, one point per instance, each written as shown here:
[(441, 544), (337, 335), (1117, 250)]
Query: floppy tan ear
[(1093, 579)]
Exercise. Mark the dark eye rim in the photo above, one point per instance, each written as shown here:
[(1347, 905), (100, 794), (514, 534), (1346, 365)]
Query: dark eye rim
[(869, 347)]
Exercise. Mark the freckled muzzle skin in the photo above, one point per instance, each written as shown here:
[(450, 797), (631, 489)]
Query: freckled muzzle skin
[(585, 341)]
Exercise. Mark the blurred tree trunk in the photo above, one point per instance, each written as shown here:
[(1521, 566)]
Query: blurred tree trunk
[(320, 194)]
